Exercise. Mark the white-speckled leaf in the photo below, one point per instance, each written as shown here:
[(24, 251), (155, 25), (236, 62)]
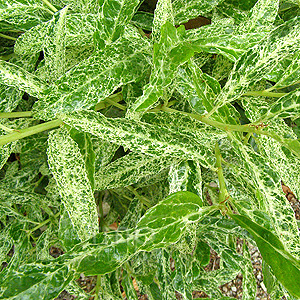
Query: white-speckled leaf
[(265, 191), (114, 15), (163, 13), (22, 14), (79, 30), (15, 76), (186, 176), (185, 10), (130, 169), (97, 77), (224, 38), (143, 137), (10, 96), (261, 60), (55, 45), (68, 168), (249, 280), (171, 52), (261, 17)]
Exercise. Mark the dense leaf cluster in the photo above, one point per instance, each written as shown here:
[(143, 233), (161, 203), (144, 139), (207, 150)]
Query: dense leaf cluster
[(136, 141)]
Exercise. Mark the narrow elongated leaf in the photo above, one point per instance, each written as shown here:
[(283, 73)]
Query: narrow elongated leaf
[(109, 69), (36, 281), (140, 136), (84, 142), (11, 96), (163, 13), (67, 166), (130, 169), (223, 38), (12, 75), (114, 15), (249, 282), (284, 265), (55, 45)]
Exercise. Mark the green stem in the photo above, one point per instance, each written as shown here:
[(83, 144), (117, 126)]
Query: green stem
[(240, 128), (223, 191), (50, 5), (7, 129), (247, 137), (103, 104), (116, 104), (42, 224), (22, 133), (18, 114), (143, 199), (223, 126), (97, 287), (265, 94), (8, 37)]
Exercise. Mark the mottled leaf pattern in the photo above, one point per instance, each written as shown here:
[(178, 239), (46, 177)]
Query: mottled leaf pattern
[(111, 112), (68, 168), (114, 15), (108, 70), (23, 14)]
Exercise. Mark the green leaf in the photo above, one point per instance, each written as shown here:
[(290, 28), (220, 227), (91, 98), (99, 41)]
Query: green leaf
[(287, 106), (261, 60), (15, 76), (185, 10), (140, 136), (285, 267), (107, 251), (186, 176), (130, 169), (127, 284), (171, 52), (21, 15), (85, 145), (261, 16), (249, 281), (67, 232), (163, 14), (143, 20), (114, 15), (68, 168), (112, 67), (223, 38), (79, 30), (55, 45), (36, 281)]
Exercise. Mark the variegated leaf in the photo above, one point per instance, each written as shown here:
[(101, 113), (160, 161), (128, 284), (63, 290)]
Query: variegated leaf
[(23, 14), (130, 169), (109, 69), (114, 15), (140, 136), (260, 61), (68, 168)]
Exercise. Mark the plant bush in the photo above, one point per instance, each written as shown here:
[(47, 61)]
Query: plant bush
[(185, 134)]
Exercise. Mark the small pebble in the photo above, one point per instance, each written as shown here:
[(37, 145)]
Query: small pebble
[(258, 277), (234, 289), (224, 288)]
